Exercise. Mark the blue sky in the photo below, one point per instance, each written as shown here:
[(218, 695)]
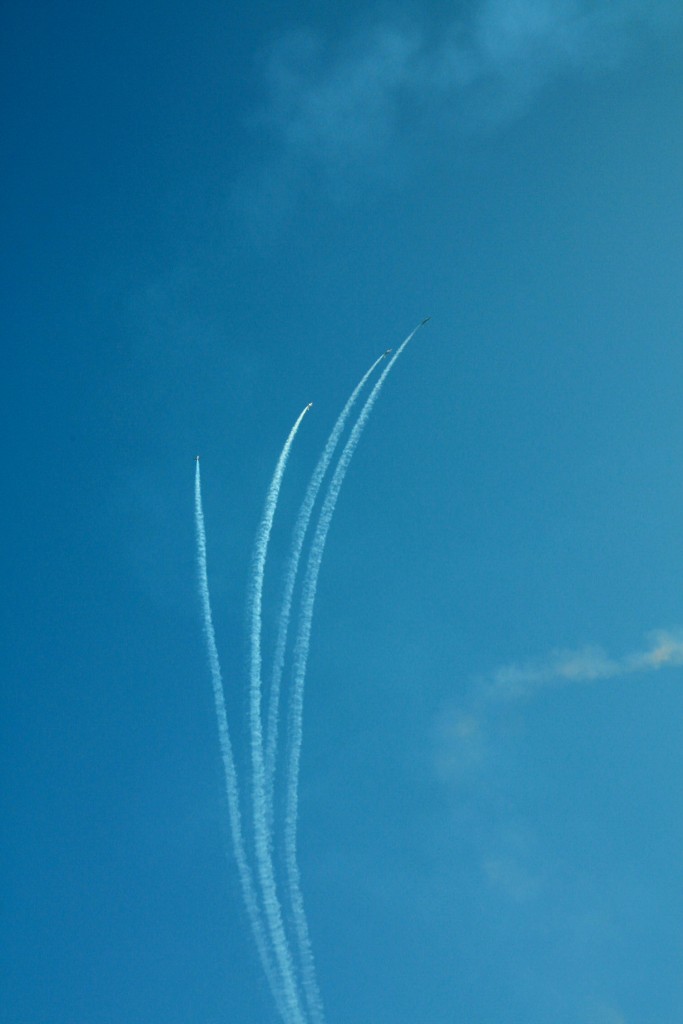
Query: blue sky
[(213, 217)]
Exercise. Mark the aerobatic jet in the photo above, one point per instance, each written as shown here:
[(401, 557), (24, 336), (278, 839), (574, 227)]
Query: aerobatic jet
[(425, 321)]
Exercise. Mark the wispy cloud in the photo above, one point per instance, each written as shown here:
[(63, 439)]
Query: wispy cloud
[(464, 746), (511, 869), (583, 665), (342, 102), (604, 1013), (481, 756)]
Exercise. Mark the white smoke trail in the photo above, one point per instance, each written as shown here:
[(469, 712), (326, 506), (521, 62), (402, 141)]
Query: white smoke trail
[(301, 648), (262, 843), (298, 537), (231, 782)]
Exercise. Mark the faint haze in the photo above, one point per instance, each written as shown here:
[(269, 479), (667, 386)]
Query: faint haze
[(337, 103)]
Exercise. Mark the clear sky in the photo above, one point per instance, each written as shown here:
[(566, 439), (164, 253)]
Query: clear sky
[(213, 216)]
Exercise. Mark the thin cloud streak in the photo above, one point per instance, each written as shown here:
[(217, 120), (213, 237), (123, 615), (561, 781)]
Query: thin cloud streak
[(584, 665), (465, 746)]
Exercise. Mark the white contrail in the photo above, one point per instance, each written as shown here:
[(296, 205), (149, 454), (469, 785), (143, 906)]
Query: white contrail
[(301, 647), (262, 843), (231, 783), (298, 537)]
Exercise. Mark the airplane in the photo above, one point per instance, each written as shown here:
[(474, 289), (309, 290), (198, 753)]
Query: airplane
[(196, 458), (309, 406), (425, 321), (388, 352)]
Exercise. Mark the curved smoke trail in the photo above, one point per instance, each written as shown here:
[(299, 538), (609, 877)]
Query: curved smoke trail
[(231, 783), (298, 537), (262, 842), (301, 648)]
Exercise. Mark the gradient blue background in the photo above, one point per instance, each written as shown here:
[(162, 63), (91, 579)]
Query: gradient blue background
[(211, 218)]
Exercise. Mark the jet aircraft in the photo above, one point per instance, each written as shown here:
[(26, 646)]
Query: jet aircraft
[(425, 321), (196, 458), (388, 352)]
